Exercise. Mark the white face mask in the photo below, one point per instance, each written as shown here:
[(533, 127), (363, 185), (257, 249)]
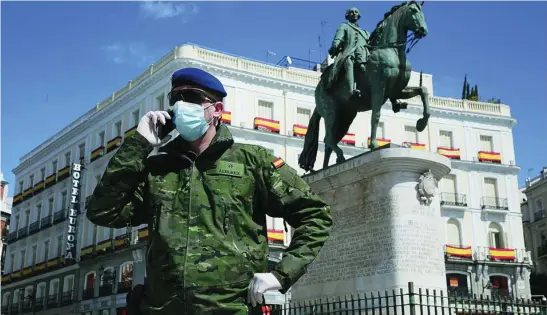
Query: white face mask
[(189, 120)]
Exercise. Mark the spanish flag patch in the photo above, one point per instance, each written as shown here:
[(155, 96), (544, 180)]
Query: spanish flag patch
[(277, 163)]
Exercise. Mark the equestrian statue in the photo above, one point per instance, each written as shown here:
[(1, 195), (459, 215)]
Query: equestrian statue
[(367, 71)]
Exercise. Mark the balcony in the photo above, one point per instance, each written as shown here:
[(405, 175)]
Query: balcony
[(34, 227), (494, 203), (12, 237), (67, 298), (459, 292), (538, 215), (39, 303), (489, 157), (453, 199), (5, 309), (88, 294), (59, 216), (52, 300), (124, 287), (499, 293), (14, 308), (23, 232), (106, 290), (45, 222), (27, 305)]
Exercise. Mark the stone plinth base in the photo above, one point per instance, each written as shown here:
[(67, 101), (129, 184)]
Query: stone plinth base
[(384, 235)]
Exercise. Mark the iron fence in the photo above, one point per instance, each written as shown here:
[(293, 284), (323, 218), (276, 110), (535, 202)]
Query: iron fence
[(410, 302)]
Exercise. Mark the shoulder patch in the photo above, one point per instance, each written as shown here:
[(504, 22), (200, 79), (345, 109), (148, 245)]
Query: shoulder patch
[(277, 163)]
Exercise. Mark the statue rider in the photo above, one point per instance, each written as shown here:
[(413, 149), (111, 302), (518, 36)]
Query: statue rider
[(350, 48)]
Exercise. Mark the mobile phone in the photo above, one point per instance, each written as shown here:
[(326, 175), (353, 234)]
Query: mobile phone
[(164, 130)]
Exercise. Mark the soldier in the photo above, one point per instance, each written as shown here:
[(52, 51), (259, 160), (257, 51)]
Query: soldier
[(205, 199), (350, 47)]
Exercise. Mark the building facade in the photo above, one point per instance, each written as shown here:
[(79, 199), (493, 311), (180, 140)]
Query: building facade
[(534, 218), (270, 106), (5, 211)]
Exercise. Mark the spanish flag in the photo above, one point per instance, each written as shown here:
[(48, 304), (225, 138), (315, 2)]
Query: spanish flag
[(277, 163)]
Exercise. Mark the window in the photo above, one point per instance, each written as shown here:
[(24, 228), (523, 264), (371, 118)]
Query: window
[(54, 167), (445, 139), (63, 200), (539, 205), (136, 117), (16, 223), (67, 159), (27, 217), (486, 143), (303, 116), (265, 109), (23, 259), (160, 102), (495, 235), (118, 129), (21, 186), (34, 253), (81, 149), (31, 177), (490, 189), (46, 250), (50, 204), (42, 173), (101, 139), (12, 257), (411, 134), (59, 245), (453, 233), (38, 211)]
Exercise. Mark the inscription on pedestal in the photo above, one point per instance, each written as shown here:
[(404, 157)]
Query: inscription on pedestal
[(378, 238)]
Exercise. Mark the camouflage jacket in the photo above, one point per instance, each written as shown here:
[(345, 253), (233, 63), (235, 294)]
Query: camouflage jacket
[(206, 215)]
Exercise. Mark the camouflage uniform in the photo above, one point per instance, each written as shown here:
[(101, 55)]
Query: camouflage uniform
[(206, 220)]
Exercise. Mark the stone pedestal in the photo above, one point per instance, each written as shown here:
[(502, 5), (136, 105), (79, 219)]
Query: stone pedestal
[(387, 231)]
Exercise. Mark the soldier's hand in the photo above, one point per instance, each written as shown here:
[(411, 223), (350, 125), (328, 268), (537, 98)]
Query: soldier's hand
[(261, 283), (149, 123)]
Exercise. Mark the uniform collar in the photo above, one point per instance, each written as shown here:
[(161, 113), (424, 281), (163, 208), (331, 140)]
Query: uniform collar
[(221, 142)]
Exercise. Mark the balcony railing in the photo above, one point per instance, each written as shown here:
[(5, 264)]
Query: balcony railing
[(106, 290), (45, 222), (12, 237), (34, 227), (88, 294), (124, 287), (27, 305), (500, 293), (52, 300), (23, 232), (59, 216), (453, 199), (538, 215), (67, 298), (494, 203), (462, 292), (5, 309), (39, 303)]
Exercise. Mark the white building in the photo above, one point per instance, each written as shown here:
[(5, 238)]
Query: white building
[(271, 106), (5, 211), (534, 217)]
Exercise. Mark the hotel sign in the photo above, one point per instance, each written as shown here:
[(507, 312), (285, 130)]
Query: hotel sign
[(73, 212)]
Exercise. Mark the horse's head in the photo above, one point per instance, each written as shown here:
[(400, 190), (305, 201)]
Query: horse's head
[(414, 19)]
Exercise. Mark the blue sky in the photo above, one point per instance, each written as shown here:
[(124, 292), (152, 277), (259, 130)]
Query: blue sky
[(60, 58)]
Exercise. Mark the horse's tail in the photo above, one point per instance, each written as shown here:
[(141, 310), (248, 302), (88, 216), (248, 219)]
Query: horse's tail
[(311, 143)]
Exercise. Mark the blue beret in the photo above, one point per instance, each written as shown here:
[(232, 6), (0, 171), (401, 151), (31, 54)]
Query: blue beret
[(195, 76)]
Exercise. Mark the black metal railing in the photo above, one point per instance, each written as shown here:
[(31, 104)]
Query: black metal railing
[(39, 303), (412, 302), (34, 227), (88, 294), (23, 232), (12, 237), (538, 215), (106, 290), (124, 287), (59, 216), (45, 222), (453, 199), (27, 305), (498, 293), (458, 292), (494, 203), (5, 309), (52, 300), (67, 298), (15, 308)]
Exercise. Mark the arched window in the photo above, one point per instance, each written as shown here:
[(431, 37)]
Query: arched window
[(89, 285), (5, 299), (106, 277), (68, 286), (495, 235), (54, 287), (453, 234), (500, 286), (126, 277), (457, 284)]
